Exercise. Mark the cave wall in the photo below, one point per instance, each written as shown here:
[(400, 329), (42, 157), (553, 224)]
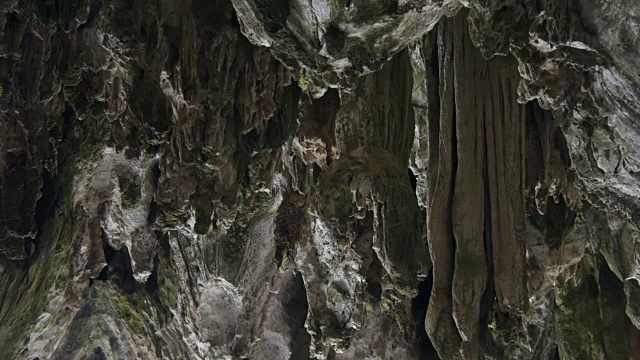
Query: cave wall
[(327, 179)]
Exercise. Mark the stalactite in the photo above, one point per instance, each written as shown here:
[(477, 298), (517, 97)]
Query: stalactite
[(326, 179), (470, 273), (439, 322), (505, 161), (480, 133)]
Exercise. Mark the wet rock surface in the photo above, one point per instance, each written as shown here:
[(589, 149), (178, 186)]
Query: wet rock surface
[(326, 179)]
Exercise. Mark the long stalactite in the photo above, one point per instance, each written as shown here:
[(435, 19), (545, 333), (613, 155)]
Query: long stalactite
[(252, 179)]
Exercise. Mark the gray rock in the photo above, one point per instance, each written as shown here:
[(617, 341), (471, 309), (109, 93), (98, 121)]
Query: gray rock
[(326, 179)]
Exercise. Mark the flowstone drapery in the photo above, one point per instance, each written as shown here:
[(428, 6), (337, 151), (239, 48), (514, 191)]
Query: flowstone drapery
[(327, 179)]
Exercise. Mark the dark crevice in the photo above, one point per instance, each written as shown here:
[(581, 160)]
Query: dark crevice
[(371, 265), (153, 212), (94, 11), (505, 320), (556, 223), (45, 208), (104, 274), (246, 177), (109, 252), (294, 301), (374, 288), (390, 8), (51, 185), (118, 268), (592, 287), (331, 355), (419, 306), (153, 205), (151, 284), (608, 281), (612, 302), (454, 172), (335, 39), (486, 303), (288, 225), (68, 117), (214, 13), (320, 119), (317, 171), (98, 354), (560, 144), (203, 212), (275, 13), (534, 156), (413, 180), (284, 122), (172, 34)]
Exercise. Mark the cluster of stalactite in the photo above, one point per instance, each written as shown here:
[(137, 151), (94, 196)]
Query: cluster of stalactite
[(170, 190), (475, 190)]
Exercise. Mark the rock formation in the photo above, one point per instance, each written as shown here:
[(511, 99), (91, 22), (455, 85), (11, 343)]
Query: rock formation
[(324, 179)]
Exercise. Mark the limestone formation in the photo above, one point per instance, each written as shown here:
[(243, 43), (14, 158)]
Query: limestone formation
[(324, 179)]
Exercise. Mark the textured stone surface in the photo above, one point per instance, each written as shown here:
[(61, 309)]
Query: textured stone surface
[(326, 179)]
